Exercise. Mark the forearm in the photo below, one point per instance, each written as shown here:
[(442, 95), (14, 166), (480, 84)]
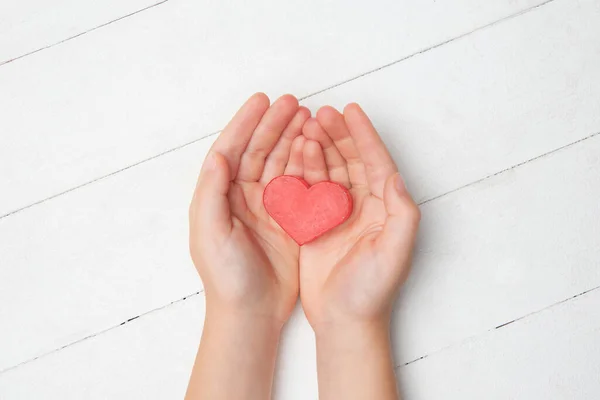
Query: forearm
[(354, 361), (236, 358)]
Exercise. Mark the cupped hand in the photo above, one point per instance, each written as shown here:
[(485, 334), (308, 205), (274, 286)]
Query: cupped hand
[(245, 260), (350, 275)]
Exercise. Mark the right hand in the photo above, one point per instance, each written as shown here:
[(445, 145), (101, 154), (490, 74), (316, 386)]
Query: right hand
[(349, 277)]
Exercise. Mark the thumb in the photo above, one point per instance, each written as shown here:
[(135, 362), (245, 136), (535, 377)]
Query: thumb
[(400, 230), (210, 207)]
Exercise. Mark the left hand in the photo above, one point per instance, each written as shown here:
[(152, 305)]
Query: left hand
[(248, 265)]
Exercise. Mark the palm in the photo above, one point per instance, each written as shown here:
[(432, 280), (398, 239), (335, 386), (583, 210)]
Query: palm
[(269, 246), (364, 224), (350, 245)]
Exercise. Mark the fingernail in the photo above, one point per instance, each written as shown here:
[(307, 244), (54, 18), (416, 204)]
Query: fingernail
[(400, 186)]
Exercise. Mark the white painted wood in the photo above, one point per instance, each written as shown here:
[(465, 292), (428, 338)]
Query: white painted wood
[(488, 101), (112, 250), (93, 258), (148, 358), (176, 72), (503, 248), (549, 355), (97, 256), (553, 355), (29, 25), (151, 358)]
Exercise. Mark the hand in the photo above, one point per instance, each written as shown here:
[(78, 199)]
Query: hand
[(248, 265), (350, 275), (246, 262)]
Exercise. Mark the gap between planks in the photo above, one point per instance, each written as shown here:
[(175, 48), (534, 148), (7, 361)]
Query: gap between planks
[(144, 314), (82, 33), (468, 339), (128, 320), (425, 50), (566, 146), (474, 337), (341, 83)]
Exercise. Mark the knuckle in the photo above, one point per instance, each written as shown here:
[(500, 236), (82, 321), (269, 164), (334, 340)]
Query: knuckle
[(257, 153)]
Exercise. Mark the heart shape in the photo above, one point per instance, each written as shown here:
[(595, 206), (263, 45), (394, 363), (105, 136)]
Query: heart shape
[(306, 212)]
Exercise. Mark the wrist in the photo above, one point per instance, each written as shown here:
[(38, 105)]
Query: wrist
[(269, 311), (228, 322), (236, 346), (353, 333), (354, 360)]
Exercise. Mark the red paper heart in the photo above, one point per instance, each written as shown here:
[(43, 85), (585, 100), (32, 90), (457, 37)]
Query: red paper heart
[(306, 212)]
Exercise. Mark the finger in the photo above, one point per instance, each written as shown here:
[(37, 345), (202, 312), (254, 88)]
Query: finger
[(334, 124), (379, 165), (234, 138), (295, 165), (336, 164), (210, 205), (397, 239), (315, 169), (278, 158), (267, 133)]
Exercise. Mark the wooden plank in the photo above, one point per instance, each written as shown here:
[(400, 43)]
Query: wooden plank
[(97, 256), (103, 254), (114, 249), (503, 248), (148, 358), (552, 355), (151, 358), (27, 26), (175, 73), (486, 102)]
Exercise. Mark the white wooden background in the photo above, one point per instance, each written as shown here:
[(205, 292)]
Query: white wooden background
[(491, 109)]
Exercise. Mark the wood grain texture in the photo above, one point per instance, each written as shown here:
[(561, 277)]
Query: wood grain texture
[(501, 249), (148, 358), (549, 355), (176, 72), (109, 251), (488, 254), (151, 357), (27, 26), (552, 355), (494, 99), (495, 251), (97, 256)]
